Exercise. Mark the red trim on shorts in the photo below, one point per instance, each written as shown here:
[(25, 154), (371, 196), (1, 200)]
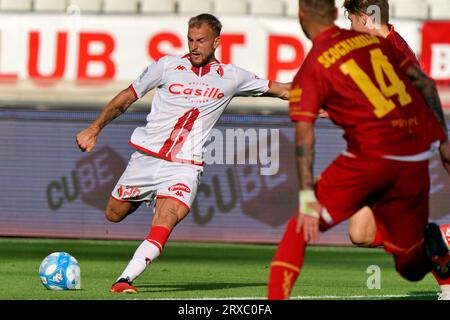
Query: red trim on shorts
[(120, 200), (173, 198), (392, 248), (161, 156), (134, 91)]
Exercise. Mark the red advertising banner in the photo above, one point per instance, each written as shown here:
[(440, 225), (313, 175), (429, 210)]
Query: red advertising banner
[(436, 51)]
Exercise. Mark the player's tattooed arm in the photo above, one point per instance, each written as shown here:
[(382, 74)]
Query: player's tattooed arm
[(87, 139), (427, 87), (310, 208), (116, 107), (305, 154)]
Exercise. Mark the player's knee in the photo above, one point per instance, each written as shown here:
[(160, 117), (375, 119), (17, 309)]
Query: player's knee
[(112, 216), (360, 238)]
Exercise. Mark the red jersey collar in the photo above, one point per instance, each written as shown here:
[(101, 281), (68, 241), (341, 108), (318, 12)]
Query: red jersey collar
[(391, 31), (202, 70), (326, 34)]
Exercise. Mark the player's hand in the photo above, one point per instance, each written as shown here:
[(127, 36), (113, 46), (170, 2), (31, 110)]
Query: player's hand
[(87, 139), (445, 155), (309, 215), (323, 114), (310, 227)]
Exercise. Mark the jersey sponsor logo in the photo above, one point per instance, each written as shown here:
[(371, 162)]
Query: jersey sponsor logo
[(180, 187), (181, 89)]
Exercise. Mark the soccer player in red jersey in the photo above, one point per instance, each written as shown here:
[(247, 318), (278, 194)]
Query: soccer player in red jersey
[(382, 100), (364, 18)]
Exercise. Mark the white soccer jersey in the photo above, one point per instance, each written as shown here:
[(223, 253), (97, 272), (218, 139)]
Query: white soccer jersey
[(187, 104)]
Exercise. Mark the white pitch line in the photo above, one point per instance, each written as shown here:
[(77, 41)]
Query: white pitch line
[(367, 296), (387, 296)]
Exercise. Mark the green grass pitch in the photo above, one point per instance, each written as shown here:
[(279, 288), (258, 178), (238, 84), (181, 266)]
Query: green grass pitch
[(202, 271)]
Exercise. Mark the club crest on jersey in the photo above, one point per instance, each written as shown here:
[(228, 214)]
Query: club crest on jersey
[(128, 192), (179, 188), (219, 71)]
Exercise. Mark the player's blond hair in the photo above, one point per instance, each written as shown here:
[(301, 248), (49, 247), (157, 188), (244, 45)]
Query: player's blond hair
[(209, 19)]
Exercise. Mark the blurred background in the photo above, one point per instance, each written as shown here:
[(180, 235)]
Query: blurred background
[(62, 61)]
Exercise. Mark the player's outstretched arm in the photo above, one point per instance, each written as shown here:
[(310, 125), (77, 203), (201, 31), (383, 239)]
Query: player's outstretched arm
[(427, 87), (310, 208), (279, 90), (304, 151), (87, 138)]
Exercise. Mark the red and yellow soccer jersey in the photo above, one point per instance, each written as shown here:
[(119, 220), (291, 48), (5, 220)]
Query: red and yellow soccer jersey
[(360, 80), (403, 46)]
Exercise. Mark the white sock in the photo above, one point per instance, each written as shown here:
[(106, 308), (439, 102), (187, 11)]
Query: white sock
[(445, 287), (145, 253)]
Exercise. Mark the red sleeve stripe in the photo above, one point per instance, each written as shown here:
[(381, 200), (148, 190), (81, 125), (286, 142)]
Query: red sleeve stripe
[(304, 114), (134, 91), (406, 64), (270, 84), (305, 119)]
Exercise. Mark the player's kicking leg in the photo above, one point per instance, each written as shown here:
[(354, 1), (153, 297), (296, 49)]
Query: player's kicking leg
[(117, 210), (363, 233), (168, 213), (437, 250)]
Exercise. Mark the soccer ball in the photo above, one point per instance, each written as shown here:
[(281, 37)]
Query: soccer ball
[(60, 271)]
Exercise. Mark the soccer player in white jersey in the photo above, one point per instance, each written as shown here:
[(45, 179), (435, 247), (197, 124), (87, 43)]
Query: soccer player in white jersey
[(192, 92)]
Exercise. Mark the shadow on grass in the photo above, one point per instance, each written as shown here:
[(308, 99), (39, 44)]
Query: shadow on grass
[(419, 295), (179, 287)]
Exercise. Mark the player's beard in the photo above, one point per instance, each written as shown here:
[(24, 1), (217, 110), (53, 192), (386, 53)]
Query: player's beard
[(203, 62)]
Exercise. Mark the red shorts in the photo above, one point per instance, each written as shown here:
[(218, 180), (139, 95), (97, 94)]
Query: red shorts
[(397, 192)]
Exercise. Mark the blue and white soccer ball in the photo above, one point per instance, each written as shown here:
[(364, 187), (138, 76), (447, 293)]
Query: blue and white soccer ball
[(60, 271)]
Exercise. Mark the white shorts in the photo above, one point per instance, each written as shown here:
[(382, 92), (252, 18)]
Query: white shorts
[(147, 178)]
